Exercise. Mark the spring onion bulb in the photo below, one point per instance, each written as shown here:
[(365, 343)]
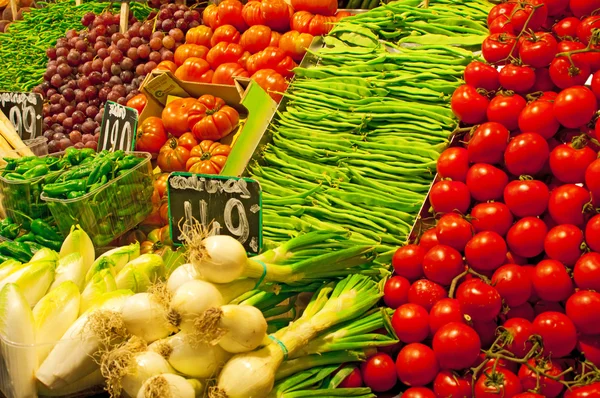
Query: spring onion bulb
[(70, 268), (236, 328), (75, 355), (219, 258), (114, 259), (129, 365), (86, 383), (180, 275), (146, 315), (79, 242), (190, 301), (53, 315), (252, 374), (9, 267), (34, 280), (191, 357), (140, 273), (102, 282), (170, 386), (18, 343)]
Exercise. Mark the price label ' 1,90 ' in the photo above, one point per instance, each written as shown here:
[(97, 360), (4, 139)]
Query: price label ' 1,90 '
[(119, 125)]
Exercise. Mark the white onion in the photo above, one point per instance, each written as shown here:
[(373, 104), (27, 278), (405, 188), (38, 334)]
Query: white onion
[(220, 259), (170, 386), (191, 300), (146, 317), (182, 274)]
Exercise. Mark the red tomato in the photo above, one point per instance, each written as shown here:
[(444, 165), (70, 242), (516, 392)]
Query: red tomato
[(224, 53), (530, 17), (210, 16), (316, 25), (488, 143), (426, 293), (566, 27), (580, 8), (551, 281), (500, 9), (428, 239), (353, 380), (587, 271), (592, 233), (172, 156), (272, 82), (418, 392), (486, 182), (416, 365), (498, 47), (498, 383), (494, 216), (563, 243), (592, 178), (566, 204), (395, 291), (411, 323), (502, 24), (564, 74), (526, 237), (583, 308), (226, 33), (295, 44), (448, 196), (538, 50), (328, 7), (174, 116), (231, 11), (443, 312), (526, 154), (543, 81), (513, 284), (275, 14), (548, 387), (486, 251), (453, 163), (195, 70), (505, 109), (585, 28), (442, 264), (408, 261), (138, 102), (558, 333), (480, 75), (456, 346), (519, 330), (526, 198), (378, 372), (199, 35), (575, 106), (538, 117), (447, 384), (517, 78), (256, 38), (589, 346), (186, 51), (225, 73), (479, 300), (596, 85), (151, 135), (453, 230), (569, 162), (271, 58), (468, 105)]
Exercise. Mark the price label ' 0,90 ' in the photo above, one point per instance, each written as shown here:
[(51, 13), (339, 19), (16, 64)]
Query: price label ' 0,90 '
[(119, 125)]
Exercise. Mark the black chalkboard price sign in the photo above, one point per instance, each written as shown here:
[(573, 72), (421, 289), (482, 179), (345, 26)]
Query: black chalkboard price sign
[(229, 205), (119, 126), (24, 110)]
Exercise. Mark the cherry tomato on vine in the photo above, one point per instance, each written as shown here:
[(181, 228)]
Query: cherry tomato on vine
[(505, 109), (580, 8), (408, 262), (526, 154), (469, 105), (567, 204), (519, 330), (596, 86), (488, 143), (586, 27), (448, 196), (531, 15), (569, 162), (456, 346), (592, 178), (526, 237), (498, 47), (558, 333), (428, 239), (481, 75), (566, 27), (575, 106), (486, 182), (538, 117), (517, 78), (378, 372), (443, 312), (566, 74), (538, 49), (494, 216), (500, 9), (551, 281), (498, 383), (395, 291), (416, 365), (418, 392), (486, 251), (453, 163), (590, 347), (442, 264), (583, 308), (426, 293), (592, 233), (548, 388), (589, 391), (353, 380), (447, 384), (502, 24), (479, 300), (453, 230), (586, 272), (513, 284), (411, 323), (526, 198), (563, 243)]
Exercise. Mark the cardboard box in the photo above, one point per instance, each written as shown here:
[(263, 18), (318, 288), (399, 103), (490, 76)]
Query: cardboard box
[(246, 96)]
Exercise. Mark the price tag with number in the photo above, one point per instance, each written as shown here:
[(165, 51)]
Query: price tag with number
[(226, 205), (119, 126), (24, 110)]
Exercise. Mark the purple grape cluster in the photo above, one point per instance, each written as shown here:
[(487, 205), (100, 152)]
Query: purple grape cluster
[(87, 68)]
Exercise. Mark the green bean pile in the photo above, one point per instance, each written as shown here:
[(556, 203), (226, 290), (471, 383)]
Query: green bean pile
[(356, 146), (23, 47)]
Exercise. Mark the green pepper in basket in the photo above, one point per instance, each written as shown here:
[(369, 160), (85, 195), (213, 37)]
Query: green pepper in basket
[(62, 189), (15, 177), (97, 185), (87, 153), (10, 231), (73, 155), (16, 250), (36, 171), (50, 244), (103, 168), (28, 237), (75, 194), (40, 228), (116, 155), (78, 172)]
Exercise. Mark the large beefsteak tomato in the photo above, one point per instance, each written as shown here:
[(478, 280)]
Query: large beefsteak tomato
[(223, 53), (186, 51), (210, 16), (271, 58), (138, 102), (213, 120), (273, 13), (175, 115), (230, 11), (272, 82), (172, 156), (295, 44), (316, 25), (199, 35), (225, 73), (226, 33), (151, 135), (322, 7), (167, 65), (195, 70), (208, 157), (259, 37)]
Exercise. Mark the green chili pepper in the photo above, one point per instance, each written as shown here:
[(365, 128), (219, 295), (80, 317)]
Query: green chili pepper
[(102, 169), (61, 189), (73, 155), (116, 155), (77, 172), (28, 237), (11, 231), (14, 176), (34, 247), (16, 250), (127, 163), (36, 171), (50, 244), (75, 194), (40, 228)]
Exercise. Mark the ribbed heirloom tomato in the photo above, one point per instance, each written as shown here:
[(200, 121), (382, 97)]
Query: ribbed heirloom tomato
[(151, 135), (314, 24), (272, 82), (175, 115), (225, 73), (138, 102), (295, 44), (172, 156), (328, 7), (200, 35), (226, 33), (186, 51), (259, 37), (223, 53), (212, 120), (230, 11), (275, 14), (195, 70), (208, 157), (271, 58)]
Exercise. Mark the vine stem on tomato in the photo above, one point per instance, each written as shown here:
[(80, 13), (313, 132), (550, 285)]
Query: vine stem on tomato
[(588, 49), (468, 271)]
